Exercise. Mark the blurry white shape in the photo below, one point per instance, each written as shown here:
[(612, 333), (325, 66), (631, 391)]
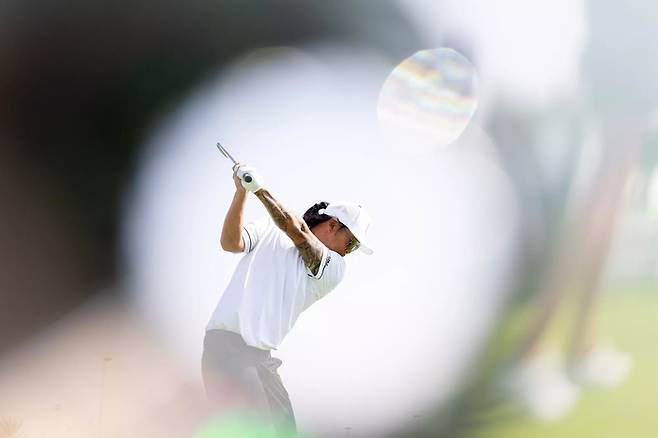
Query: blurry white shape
[(427, 101), (542, 386), (526, 52), (407, 321), (532, 50), (587, 166), (652, 195), (603, 366), (554, 146)]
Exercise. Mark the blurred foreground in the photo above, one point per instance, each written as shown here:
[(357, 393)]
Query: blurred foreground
[(518, 287), (98, 372)]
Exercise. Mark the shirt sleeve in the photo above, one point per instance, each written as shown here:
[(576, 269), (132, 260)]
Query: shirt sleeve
[(323, 264), (331, 272), (253, 232)]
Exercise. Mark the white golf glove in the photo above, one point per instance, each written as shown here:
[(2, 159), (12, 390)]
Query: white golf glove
[(249, 178)]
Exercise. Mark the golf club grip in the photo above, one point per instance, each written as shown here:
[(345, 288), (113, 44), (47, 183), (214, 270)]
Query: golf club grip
[(247, 177)]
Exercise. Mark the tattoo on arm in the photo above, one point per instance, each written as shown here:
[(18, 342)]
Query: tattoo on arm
[(310, 248), (311, 252), (280, 216)]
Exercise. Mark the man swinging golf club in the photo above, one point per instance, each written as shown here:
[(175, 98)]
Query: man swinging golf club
[(290, 263)]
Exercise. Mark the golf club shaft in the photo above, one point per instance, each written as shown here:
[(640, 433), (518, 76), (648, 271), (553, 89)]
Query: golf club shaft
[(224, 152)]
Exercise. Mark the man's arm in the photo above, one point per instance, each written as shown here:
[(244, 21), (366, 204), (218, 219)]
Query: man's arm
[(231, 239), (309, 246)]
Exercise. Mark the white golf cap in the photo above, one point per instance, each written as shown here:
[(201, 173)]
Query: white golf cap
[(354, 217)]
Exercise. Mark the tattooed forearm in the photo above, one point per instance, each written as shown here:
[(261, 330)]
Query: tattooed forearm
[(311, 253), (310, 248), (279, 215)]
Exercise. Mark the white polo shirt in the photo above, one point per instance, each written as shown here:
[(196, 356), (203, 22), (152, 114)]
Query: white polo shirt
[(271, 286)]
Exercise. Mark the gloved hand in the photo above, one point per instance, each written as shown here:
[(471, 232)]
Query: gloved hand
[(249, 177)]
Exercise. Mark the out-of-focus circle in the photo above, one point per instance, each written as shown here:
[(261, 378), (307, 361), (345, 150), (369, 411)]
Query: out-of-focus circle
[(305, 120), (428, 100)]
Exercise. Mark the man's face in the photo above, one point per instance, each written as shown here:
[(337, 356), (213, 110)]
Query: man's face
[(342, 239)]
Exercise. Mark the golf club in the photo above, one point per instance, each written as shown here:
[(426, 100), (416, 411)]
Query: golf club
[(224, 152)]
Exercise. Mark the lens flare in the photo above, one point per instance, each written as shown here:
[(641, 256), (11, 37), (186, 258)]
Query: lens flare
[(428, 100)]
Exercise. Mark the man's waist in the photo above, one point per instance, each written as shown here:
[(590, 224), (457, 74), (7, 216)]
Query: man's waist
[(230, 338)]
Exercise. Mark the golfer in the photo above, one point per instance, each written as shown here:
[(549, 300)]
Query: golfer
[(289, 264)]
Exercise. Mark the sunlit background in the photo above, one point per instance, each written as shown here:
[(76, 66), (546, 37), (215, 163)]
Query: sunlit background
[(507, 152)]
